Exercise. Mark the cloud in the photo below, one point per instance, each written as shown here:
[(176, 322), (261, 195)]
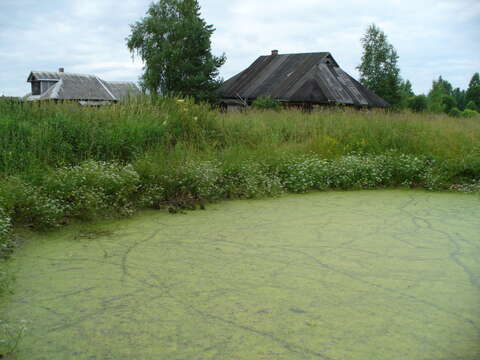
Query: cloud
[(432, 37)]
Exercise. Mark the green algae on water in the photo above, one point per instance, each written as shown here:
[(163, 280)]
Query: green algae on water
[(337, 275)]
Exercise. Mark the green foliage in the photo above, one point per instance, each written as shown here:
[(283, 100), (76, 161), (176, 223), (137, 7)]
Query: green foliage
[(471, 106), (266, 103), (91, 188), (174, 43), (406, 93), (353, 172), (448, 103), (455, 112), (473, 91), (26, 204), (379, 70), (54, 135), (460, 98), (418, 103), (249, 179), (469, 113), (440, 90)]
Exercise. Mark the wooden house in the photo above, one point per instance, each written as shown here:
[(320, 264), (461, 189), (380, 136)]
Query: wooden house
[(86, 89), (304, 80)]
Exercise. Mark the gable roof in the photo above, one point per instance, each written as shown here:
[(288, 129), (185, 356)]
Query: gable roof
[(306, 78), (70, 86)]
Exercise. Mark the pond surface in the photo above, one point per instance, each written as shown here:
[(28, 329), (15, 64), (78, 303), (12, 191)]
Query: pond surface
[(385, 274)]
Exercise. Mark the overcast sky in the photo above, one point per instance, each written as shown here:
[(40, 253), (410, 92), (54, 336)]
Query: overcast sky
[(432, 37)]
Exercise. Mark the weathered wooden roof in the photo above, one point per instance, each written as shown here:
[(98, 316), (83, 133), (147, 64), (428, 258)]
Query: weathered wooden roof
[(306, 78), (81, 87)]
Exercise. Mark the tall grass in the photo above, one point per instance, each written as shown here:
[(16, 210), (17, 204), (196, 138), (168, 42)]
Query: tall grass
[(36, 136)]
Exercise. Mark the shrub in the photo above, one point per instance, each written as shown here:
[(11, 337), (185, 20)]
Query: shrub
[(353, 172), (418, 103), (473, 187), (248, 179), (471, 106), (359, 172), (305, 173), (192, 182), (448, 103), (469, 113), (266, 103), (29, 205), (188, 122), (92, 187), (455, 112)]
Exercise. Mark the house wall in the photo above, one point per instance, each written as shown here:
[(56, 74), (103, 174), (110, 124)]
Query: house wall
[(235, 108), (45, 85)]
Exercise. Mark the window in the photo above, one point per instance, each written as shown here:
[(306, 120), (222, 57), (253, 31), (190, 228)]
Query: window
[(35, 87)]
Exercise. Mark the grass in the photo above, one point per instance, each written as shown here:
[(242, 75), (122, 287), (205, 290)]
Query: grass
[(53, 135)]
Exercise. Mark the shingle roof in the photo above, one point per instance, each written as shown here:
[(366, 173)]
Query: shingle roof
[(81, 87), (307, 78)]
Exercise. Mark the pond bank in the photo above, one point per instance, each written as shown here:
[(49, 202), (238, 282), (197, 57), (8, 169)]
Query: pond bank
[(390, 274)]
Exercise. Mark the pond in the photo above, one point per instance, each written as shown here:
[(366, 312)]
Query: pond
[(388, 274)]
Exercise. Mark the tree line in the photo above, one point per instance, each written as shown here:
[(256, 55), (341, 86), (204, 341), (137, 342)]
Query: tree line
[(174, 43), (379, 71)]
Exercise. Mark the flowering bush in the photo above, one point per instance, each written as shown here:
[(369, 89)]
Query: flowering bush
[(304, 173), (191, 182), (356, 172), (467, 188), (27, 204), (86, 189), (248, 180), (99, 188)]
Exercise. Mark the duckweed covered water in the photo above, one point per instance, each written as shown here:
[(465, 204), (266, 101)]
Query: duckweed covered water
[(339, 275)]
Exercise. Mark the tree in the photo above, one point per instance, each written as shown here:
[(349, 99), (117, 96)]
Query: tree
[(440, 89), (460, 98), (406, 93), (448, 103), (379, 70), (473, 91), (471, 106), (418, 103), (174, 43)]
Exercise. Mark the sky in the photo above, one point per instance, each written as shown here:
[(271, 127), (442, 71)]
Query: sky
[(432, 37)]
